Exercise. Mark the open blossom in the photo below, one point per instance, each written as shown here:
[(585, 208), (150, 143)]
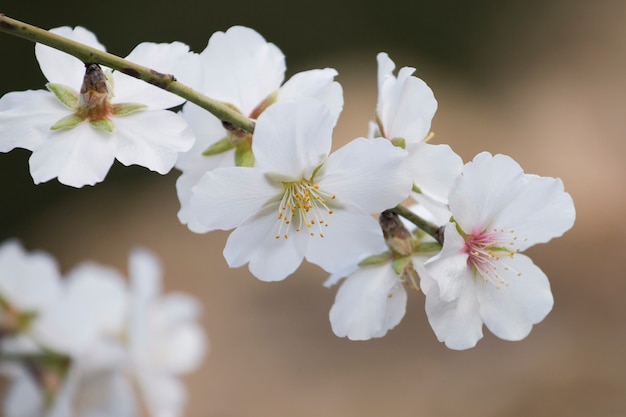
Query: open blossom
[(298, 201), (404, 112), (99, 342), (372, 299), (164, 337), (91, 116), (480, 276), (240, 68)]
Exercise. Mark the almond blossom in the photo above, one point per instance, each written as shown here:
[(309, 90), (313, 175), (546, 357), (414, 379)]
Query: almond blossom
[(298, 201), (372, 299), (94, 343), (404, 112), (90, 116), (480, 275), (240, 68)]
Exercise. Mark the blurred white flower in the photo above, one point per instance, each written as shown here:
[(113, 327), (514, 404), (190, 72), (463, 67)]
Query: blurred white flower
[(480, 276), (75, 133), (164, 337)]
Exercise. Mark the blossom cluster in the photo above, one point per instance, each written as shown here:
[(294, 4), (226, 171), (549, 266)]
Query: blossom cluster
[(288, 196), (89, 343)]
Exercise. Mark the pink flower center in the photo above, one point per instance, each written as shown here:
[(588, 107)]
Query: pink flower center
[(488, 252)]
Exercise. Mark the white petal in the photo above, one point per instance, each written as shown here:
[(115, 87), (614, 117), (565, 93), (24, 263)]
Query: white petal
[(225, 197), (541, 211), (510, 311), (151, 139), (61, 68), (104, 394), (348, 237), (23, 398), (92, 305), (406, 105), (241, 68), (449, 267), (317, 84), (292, 138), (79, 156), (29, 281), (367, 174), (165, 396), (207, 129), (487, 186), (26, 118), (178, 348), (434, 169), (269, 258), (166, 58), (385, 70), (368, 304), (456, 322)]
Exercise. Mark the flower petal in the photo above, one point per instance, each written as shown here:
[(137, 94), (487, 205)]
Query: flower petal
[(456, 322), (26, 118), (59, 67), (370, 175), (449, 267), (292, 138), (168, 59), (434, 169), (79, 156), (151, 139), (348, 237), (269, 258), (510, 311), (317, 84), (368, 304), (29, 281), (92, 305), (240, 67), (542, 210), (406, 105), (225, 197), (487, 186)]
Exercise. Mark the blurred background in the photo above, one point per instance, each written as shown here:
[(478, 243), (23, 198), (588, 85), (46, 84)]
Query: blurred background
[(542, 81)]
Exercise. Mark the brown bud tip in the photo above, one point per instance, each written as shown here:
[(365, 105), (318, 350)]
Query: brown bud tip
[(392, 226), (94, 80)]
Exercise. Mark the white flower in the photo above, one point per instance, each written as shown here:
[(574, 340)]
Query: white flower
[(372, 299), (404, 111), (164, 338), (76, 135), (480, 276), (297, 201), (242, 69)]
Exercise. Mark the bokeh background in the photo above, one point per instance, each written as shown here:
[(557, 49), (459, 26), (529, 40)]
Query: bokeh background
[(542, 81)]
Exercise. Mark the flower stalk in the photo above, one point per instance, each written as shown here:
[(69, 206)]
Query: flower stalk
[(429, 228), (91, 55)]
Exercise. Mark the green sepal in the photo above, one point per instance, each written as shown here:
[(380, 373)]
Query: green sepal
[(103, 124), (399, 264), (65, 94), (416, 189), (68, 122), (219, 147), (244, 157), (399, 142), (380, 259), (122, 109), (428, 247)]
